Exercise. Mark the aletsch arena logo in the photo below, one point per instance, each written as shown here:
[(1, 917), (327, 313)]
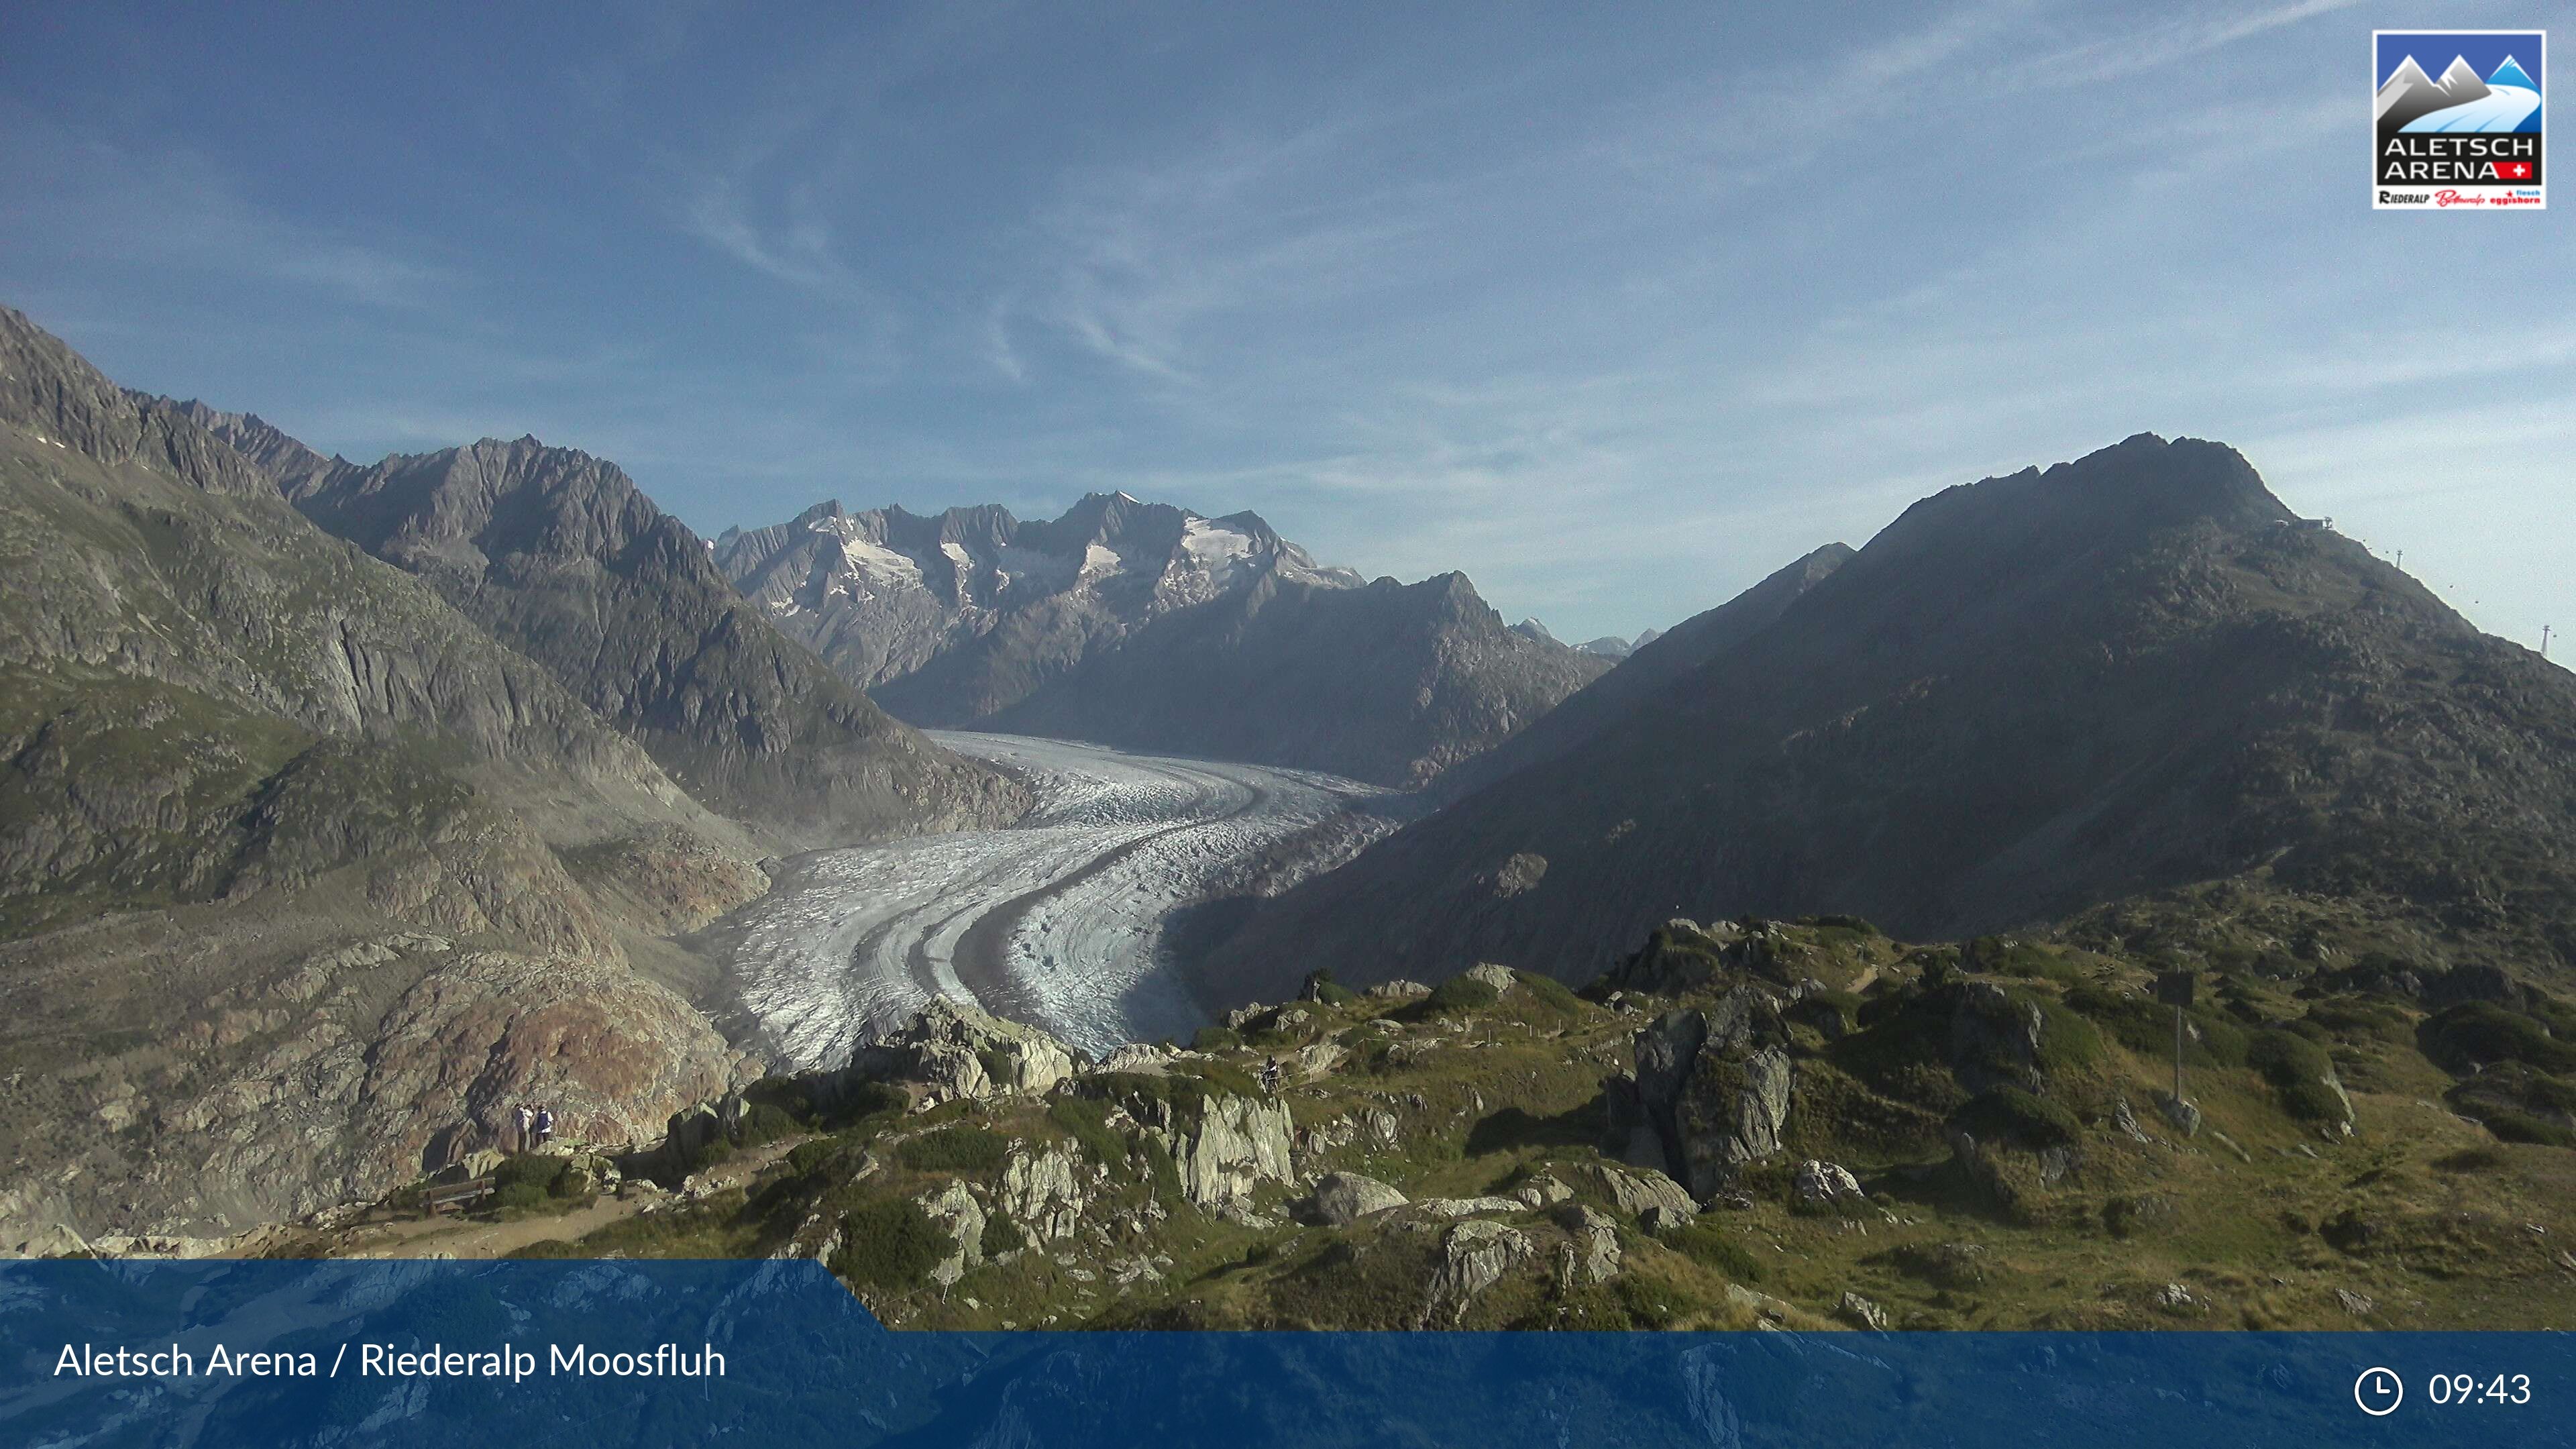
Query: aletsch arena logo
[(2465, 136)]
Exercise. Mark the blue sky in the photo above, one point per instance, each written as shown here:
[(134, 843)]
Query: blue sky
[(1615, 308)]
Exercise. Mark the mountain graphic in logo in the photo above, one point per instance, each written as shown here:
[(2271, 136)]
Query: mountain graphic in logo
[(2460, 101)]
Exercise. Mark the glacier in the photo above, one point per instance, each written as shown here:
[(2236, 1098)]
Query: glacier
[(1058, 921)]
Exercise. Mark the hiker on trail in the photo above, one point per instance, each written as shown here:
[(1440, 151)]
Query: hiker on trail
[(1270, 1076), (545, 1126), (527, 1129)]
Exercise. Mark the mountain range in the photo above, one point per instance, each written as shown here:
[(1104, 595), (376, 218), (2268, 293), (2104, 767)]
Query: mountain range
[(313, 864), (2027, 697), (1150, 627), (561, 556), (347, 806)]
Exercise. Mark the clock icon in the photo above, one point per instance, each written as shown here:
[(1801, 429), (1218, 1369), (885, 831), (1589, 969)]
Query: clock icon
[(2379, 1392)]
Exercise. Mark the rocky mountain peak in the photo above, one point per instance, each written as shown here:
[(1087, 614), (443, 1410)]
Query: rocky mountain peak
[(2069, 517), (59, 399), (2029, 695), (559, 554)]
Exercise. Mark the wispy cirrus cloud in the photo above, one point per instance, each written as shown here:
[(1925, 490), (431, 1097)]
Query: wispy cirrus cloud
[(2169, 40), (798, 249), (177, 208), (1135, 263)]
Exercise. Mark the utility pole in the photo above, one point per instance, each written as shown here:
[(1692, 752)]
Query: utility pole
[(2174, 988)]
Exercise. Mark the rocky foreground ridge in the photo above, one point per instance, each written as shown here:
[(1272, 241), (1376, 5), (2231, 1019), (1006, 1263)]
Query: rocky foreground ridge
[(1744, 1124)]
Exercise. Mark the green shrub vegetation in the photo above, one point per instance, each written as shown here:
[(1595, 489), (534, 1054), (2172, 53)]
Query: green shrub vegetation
[(2008, 1112), (1164, 1172), (2363, 1021), (1217, 1079), (2511, 1125), (1086, 1121), (867, 1099), (1858, 925), (2478, 1033), (1460, 993), (1549, 992), (766, 1122), (1321, 986), (889, 1244), (2024, 959), (807, 1159), (1001, 1235), (521, 1196), (2145, 1026), (962, 1148), (530, 1182), (1844, 1004), (2297, 1068), (1711, 1246), (2068, 1044)]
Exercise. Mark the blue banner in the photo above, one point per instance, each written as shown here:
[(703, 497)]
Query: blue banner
[(779, 1354)]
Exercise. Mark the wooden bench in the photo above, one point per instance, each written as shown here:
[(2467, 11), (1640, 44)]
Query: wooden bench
[(455, 1196)]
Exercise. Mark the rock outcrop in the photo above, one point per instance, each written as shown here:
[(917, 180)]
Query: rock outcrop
[(1343, 1198), (961, 1220), (1995, 1038), (1593, 1255), (1824, 1186), (1641, 1192), (1042, 1192), (1474, 1256), (1733, 1114), (1710, 1091), (951, 1050), (1234, 1145)]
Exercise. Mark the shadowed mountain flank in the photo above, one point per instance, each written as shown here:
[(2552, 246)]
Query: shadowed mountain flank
[(2026, 696), (560, 556)]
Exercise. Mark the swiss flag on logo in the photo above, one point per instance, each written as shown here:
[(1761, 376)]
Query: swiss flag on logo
[(2514, 170)]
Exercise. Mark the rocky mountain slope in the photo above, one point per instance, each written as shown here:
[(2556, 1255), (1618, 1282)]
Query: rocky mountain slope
[(1656, 663), (559, 555), (2025, 697), (1746, 1124), (303, 879), (1148, 626), (1391, 683), (884, 595)]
